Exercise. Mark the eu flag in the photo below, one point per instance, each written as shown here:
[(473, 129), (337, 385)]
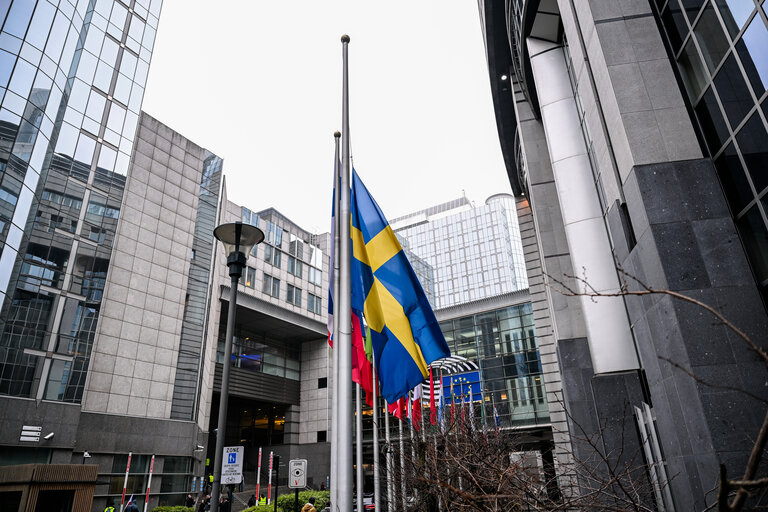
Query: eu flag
[(405, 334)]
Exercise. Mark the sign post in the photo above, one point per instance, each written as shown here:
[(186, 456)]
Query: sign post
[(232, 465), (297, 477)]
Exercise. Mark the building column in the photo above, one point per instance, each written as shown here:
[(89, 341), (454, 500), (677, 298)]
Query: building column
[(610, 339)]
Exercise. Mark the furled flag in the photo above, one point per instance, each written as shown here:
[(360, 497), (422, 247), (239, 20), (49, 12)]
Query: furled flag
[(405, 334), (416, 407), (471, 410), (496, 415), (333, 256), (432, 410), (441, 408)]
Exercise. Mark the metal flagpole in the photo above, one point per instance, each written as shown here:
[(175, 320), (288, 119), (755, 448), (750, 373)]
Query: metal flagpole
[(336, 317), (413, 427), (390, 485), (359, 444), (376, 484), (344, 396), (402, 465)]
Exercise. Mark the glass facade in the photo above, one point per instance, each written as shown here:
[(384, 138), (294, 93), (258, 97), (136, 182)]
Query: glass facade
[(721, 47), (503, 345), (196, 305), (262, 355), (72, 77), (474, 252)]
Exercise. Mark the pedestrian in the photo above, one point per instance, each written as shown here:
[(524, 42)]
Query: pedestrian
[(251, 501), (190, 501), (110, 507), (309, 506), (131, 507), (327, 506), (262, 499)]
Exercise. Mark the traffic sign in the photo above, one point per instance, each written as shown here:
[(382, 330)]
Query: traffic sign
[(232, 465), (297, 473)]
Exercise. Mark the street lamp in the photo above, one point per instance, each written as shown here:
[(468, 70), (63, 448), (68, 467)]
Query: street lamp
[(238, 239)]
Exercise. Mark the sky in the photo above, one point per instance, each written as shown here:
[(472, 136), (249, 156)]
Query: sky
[(258, 83)]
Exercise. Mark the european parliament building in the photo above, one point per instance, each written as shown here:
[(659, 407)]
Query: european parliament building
[(634, 134)]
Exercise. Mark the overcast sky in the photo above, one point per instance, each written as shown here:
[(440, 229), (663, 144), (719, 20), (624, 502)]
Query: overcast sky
[(259, 83)]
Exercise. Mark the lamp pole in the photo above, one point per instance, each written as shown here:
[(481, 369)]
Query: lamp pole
[(238, 239)]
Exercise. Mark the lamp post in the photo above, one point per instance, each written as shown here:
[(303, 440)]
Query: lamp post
[(238, 239)]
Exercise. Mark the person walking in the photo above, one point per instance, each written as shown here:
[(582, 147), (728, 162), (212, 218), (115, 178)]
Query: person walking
[(309, 506), (252, 500), (131, 507), (189, 502)]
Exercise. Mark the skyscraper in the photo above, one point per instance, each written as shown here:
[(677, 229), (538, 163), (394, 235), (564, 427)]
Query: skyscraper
[(106, 219), (634, 131)]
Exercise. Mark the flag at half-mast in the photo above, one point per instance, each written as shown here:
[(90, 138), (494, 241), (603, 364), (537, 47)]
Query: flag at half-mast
[(404, 331), (362, 373)]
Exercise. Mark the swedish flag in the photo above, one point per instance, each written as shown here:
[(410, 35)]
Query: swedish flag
[(405, 334)]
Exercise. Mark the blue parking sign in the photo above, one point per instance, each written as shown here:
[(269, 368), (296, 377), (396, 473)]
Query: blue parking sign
[(232, 458)]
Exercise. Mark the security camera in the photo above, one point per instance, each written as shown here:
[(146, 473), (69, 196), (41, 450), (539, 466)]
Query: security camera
[(200, 447), (86, 455), (48, 436)]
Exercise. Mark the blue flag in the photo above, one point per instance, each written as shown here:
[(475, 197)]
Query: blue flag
[(405, 334)]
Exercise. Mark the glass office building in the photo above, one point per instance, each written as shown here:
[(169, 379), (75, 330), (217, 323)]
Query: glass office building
[(721, 49), (72, 77), (474, 251)]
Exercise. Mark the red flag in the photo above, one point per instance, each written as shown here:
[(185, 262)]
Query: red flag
[(362, 372), (432, 409), (399, 409)]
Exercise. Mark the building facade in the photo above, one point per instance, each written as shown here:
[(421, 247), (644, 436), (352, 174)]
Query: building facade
[(106, 219), (473, 251), (279, 395), (633, 133)]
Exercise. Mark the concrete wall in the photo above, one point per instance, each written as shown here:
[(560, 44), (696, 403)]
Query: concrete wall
[(135, 351)]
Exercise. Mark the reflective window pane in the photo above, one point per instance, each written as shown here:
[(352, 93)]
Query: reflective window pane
[(733, 91), (693, 73), (755, 237), (41, 24), (712, 40), (753, 51), (712, 122), (734, 181), (18, 18), (735, 13), (753, 142), (674, 22)]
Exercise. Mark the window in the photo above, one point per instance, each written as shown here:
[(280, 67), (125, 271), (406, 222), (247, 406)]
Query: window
[(250, 277), (296, 246), (271, 286), (274, 234), (294, 295), (295, 266), (272, 256), (322, 382), (314, 303), (322, 436), (315, 276)]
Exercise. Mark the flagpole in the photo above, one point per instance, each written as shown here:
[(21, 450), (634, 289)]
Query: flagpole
[(336, 317), (413, 443), (402, 464), (344, 396), (359, 444), (390, 484), (376, 484)]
